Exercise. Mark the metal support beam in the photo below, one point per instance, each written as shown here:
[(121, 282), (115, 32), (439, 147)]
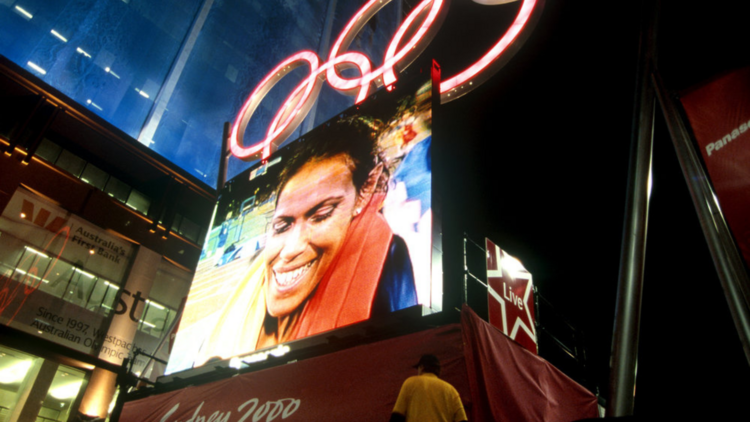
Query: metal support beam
[(224, 157), (146, 136), (633, 253)]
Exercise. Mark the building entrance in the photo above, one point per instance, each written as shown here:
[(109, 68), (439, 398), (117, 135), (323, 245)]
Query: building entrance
[(34, 388)]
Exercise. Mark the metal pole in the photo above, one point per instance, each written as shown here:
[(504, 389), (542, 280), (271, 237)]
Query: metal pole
[(323, 46), (630, 284), (175, 72), (224, 157), (728, 262), (466, 275)]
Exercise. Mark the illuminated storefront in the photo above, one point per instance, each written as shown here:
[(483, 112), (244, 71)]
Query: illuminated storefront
[(49, 388)]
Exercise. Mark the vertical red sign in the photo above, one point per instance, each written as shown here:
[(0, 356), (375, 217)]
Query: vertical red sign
[(510, 296), (719, 115)]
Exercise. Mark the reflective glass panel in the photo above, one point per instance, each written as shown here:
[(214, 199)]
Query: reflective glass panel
[(70, 163), (65, 387), (110, 56), (81, 285), (94, 176), (107, 301), (138, 201), (14, 371), (56, 283), (32, 267), (48, 150), (117, 189)]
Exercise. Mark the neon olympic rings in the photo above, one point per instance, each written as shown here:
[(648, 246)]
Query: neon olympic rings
[(429, 12)]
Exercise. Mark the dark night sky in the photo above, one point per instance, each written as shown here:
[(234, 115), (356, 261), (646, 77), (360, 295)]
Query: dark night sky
[(541, 169)]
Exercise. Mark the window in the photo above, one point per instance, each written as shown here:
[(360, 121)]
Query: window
[(117, 189), (67, 281), (70, 163), (156, 318), (170, 286), (62, 392), (187, 228), (138, 201), (48, 150), (93, 175)]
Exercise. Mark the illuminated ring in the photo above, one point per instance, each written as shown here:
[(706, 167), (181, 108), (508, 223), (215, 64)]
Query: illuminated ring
[(418, 42), (408, 52), (350, 31), (298, 104), (484, 68), (291, 113), (361, 85)]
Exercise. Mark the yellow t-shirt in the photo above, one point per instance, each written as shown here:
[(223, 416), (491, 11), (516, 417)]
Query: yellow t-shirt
[(427, 398)]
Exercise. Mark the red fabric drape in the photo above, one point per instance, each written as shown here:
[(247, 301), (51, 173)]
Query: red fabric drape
[(497, 380), (510, 383)]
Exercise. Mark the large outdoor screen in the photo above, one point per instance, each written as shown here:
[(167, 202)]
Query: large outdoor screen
[(334, 229)]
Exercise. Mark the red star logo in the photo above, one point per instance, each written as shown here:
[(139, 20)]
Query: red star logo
[(510, 296)]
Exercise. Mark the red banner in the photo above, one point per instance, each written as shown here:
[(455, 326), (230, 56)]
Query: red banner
[(497, 380), (719, 114)]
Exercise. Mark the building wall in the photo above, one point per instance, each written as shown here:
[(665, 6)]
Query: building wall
[(98, 241)]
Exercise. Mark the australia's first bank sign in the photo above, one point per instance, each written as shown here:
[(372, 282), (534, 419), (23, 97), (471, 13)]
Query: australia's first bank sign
[(422, 24)]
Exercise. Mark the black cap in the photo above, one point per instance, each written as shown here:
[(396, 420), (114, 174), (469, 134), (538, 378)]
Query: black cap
[(428, 361)]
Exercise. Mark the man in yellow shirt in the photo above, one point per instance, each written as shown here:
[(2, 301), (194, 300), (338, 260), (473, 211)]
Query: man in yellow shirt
[(427, 398)]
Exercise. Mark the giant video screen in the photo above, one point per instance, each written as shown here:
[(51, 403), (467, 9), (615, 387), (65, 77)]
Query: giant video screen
[(333, 229)]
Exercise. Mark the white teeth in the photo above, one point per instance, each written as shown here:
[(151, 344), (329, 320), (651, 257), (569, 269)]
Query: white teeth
[(290, 277)]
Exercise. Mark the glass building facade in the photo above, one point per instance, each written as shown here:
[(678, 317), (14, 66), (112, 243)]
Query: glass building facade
[(169, 73)]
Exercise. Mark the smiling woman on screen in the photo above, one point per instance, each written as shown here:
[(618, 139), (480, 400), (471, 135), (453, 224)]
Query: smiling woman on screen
[(330, 258)]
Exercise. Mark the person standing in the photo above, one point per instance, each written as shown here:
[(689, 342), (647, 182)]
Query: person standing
[(427, 398)]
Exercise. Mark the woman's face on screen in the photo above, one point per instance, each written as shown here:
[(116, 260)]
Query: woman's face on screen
[(313, 213)]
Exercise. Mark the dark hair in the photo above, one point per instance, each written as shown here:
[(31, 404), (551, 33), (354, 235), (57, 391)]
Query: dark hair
[(432, 369), (351, 137), (429, 363)]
